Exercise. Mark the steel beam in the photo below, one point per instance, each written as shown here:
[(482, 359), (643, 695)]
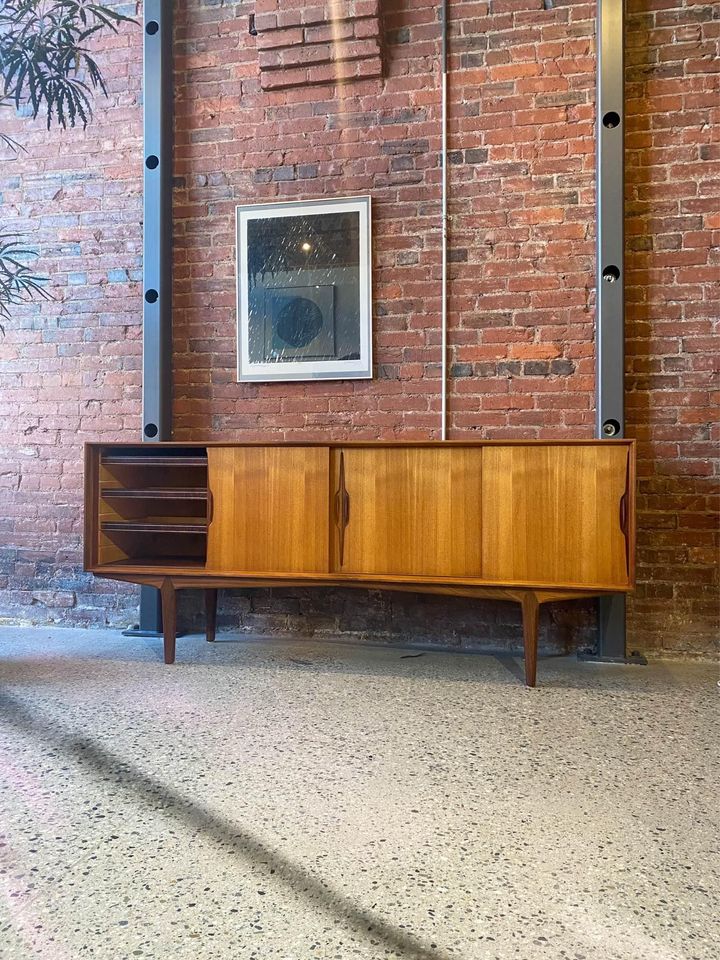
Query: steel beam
[(157, 236), (610, 285), (157, 249)]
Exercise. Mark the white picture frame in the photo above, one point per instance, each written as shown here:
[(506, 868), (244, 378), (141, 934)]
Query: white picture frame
[(284, 331)]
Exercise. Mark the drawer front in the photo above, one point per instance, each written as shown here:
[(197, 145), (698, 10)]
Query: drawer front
[(406, 511), (555, 514), (270, 509)]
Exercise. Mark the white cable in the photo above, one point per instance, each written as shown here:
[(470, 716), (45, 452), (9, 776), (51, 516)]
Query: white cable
[(444, 240)]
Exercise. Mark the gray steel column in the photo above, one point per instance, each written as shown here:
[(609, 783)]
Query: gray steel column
[(157, 248), (157, 237), (610, 323)]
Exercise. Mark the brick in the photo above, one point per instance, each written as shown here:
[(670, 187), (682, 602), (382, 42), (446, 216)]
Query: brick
[(54, 598), (292, 36), (268, 39)]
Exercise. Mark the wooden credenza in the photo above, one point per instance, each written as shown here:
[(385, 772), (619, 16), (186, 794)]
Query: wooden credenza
[(528, 521)]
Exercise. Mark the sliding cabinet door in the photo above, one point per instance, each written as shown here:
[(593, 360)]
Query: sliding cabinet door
[(407, 511), (555, 514), (270, 509)]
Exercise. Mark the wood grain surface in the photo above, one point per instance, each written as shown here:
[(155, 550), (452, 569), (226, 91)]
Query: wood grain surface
[(270, 509), (552, 514), (412, 511)]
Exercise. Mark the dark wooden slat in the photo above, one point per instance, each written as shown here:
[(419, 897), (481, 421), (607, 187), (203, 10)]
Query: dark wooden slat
[(158, 460), (167, 563), (90, 547), (155, 493), (148, 526)]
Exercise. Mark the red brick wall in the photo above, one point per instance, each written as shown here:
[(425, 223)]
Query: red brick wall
[(673, 295), (70, 370), (522, 298)]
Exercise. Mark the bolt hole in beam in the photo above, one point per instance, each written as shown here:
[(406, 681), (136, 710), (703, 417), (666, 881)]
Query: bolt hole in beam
[(152, 27), (152, 296), (611, 428), (611, 273), (611, 120), (152, 162), (150, 430)]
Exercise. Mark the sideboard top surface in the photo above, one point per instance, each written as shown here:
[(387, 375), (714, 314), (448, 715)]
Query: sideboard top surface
[(337, 444)]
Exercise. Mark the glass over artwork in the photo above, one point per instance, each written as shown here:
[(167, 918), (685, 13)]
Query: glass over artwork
[(304, 290)]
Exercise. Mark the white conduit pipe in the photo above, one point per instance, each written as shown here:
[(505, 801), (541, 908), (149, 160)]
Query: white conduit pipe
[(444, 233)]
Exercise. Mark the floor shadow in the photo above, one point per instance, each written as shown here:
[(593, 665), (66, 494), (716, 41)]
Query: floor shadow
[(320, 657), (159, 796), (512, 666)]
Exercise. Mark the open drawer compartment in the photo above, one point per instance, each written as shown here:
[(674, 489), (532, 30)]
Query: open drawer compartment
[(150, 505)]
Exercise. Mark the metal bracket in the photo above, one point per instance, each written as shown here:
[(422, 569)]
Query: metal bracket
[(634, 658)]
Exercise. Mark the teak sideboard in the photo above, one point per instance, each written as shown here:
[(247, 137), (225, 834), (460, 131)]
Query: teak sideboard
[(528, 521)]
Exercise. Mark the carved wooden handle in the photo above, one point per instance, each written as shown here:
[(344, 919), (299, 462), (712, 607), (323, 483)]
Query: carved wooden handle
[(625, 528), (210, 506), (624, 514), (342, 508)]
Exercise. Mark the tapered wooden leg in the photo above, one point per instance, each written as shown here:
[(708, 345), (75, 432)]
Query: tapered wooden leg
[(530, 615), (169, 616), (210, 614)]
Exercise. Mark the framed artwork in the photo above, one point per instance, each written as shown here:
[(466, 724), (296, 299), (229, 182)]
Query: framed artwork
[(304, 303)]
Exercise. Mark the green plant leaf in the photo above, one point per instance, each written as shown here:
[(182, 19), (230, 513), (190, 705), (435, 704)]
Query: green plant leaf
[(45, 63), (18, 282)]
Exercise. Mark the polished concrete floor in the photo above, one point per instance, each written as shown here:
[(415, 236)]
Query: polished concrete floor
[(298, 800)]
